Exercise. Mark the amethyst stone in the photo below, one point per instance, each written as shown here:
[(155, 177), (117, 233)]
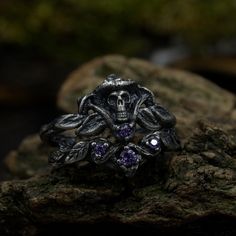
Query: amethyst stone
[(124, 131), (100, 149), (128, 158)]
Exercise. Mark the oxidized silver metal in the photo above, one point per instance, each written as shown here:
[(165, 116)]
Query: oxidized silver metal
[(119, 125)]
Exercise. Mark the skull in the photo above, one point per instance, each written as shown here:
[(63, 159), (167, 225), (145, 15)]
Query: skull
[(119, 101)]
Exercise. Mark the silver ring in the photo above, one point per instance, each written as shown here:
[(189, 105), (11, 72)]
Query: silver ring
[(119, 125)]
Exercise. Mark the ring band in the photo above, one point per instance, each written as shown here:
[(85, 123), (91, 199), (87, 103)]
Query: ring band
[(119, 125)]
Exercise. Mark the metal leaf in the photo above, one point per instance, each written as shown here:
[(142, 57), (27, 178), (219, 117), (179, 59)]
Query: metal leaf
[(163, 115), (77, 153), (92, 125), (140, 149), (66, 143), (169, 139), (147, 119), (69, 121), (57, 157)]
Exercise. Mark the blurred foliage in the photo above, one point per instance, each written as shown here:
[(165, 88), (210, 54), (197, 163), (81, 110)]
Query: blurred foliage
[(80, 29)]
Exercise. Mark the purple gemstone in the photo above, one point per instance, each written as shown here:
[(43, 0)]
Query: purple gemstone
[(128, 158), (124, 131), (100, 149)]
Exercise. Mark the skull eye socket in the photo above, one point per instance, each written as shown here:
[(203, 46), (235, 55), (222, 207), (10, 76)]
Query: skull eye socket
[(125, 96), (112, 100)]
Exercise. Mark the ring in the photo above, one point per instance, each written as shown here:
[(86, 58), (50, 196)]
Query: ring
[(119, 125)]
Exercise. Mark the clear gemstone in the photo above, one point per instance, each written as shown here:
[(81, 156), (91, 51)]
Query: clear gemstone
[(154, 142)]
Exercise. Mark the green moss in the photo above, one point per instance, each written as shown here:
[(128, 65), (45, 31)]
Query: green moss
[(79, 30)]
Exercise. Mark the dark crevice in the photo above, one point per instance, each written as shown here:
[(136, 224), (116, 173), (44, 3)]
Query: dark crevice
[(223, 80), (216, 225)]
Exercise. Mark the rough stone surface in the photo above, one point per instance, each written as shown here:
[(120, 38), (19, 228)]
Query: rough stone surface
[(190, 191)]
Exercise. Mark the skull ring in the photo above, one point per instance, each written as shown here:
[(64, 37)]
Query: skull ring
[(119, 125)]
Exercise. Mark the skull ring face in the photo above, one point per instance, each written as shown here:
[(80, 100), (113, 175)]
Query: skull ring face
[(119, 124), (119, 102)]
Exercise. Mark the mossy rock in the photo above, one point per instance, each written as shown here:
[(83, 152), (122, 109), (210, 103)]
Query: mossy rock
[(175, 193)]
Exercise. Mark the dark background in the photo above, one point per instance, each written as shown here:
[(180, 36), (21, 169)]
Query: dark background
[(42, 41)]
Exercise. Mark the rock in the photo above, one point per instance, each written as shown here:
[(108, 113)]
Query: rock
[(188, 96), (176, 193), (31, 157), (214, 67)]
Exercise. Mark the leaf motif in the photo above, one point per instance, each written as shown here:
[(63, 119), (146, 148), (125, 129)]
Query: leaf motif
[(66, 143), (69, 121), (163, 115), (77, 153), (92, 125), (56, 157), (147, 120), (169, 139), (139, 149)]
